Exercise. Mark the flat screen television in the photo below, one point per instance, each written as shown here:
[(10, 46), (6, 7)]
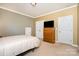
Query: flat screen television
[(48, 24)]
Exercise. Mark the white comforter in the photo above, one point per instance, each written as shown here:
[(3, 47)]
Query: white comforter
[(14, 45)]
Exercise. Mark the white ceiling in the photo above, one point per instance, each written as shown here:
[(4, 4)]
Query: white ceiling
[(40, 9)]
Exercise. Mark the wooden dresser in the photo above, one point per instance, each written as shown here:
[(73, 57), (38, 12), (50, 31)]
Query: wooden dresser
[(49, 35)]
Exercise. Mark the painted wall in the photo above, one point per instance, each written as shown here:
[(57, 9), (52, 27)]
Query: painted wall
[(54, 16), (14, 24), (78, 25)]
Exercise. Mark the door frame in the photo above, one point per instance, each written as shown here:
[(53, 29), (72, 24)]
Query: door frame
[(39, 30), (72, 31)]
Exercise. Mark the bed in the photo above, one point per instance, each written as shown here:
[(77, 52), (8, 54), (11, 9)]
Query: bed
[(14, 45)]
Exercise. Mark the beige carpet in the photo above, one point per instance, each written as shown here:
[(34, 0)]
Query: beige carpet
[(58, 49)]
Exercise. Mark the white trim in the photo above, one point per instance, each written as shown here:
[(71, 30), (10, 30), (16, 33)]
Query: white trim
[(39, 15), (74, 45), (16, 12), (57, 11)]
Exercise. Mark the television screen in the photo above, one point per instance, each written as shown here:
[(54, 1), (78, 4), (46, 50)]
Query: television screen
[(49, 24)]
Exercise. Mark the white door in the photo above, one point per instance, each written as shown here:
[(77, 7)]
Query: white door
[(39, 29), (65, 29)]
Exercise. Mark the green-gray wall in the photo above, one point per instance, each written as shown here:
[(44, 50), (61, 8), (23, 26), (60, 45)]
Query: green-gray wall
[(14, 24)]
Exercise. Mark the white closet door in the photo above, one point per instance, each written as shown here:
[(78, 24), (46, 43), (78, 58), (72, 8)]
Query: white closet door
[(39, 29), (65, 29)]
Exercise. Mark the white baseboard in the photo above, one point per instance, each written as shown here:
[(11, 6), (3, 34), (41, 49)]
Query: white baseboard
[(74, 45)]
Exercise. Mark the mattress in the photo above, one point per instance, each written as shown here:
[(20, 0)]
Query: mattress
[(14, 45)]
